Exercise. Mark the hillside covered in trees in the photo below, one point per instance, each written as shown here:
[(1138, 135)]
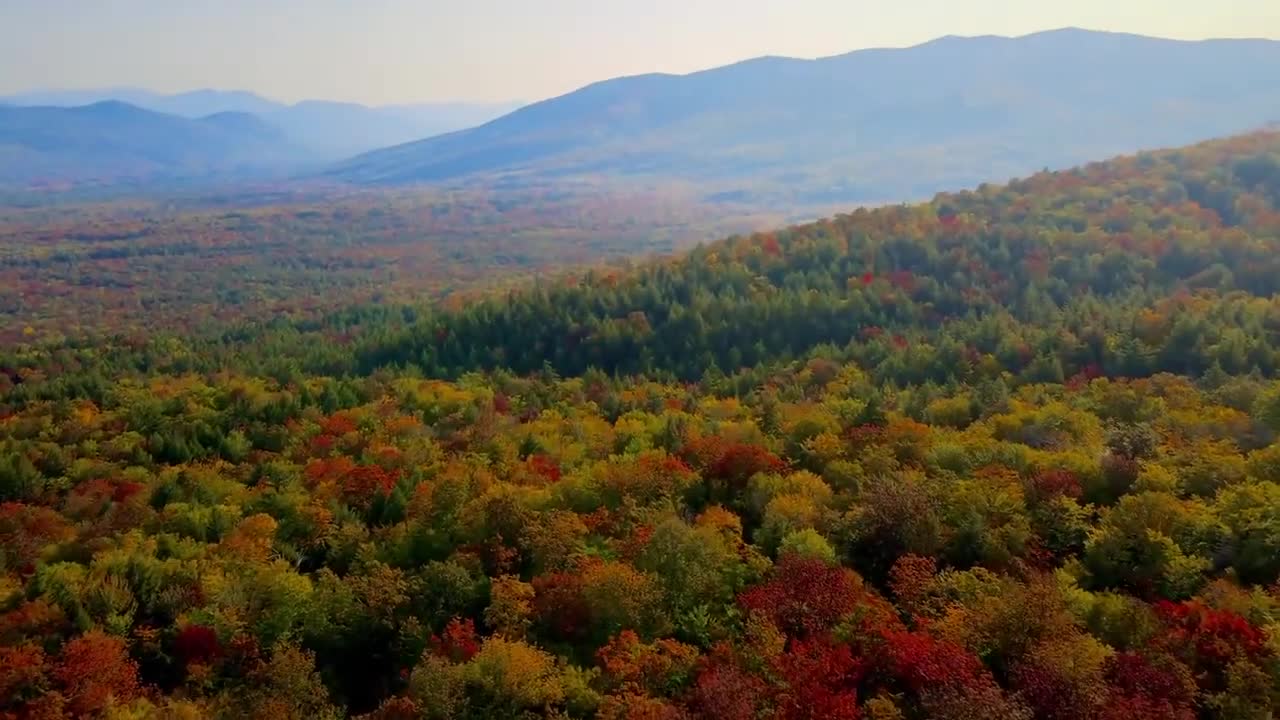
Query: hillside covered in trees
[(1161, 262), (1009, 454)]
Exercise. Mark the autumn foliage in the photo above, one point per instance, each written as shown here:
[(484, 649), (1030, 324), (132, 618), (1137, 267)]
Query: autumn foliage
[(1011, 454)]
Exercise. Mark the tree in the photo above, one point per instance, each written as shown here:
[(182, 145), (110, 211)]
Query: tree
[(285, 685), (23, 676), (1267, 408), (806, 596), (1251, 513), (510, 610), (96, 672)]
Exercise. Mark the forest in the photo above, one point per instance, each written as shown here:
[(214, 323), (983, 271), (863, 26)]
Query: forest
[(1010, 454)]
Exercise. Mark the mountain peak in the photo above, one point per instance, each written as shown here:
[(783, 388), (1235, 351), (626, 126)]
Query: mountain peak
[(112, 108)]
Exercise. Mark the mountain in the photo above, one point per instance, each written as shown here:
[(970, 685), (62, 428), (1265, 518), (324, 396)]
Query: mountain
[(329, 130), (114, 141), (870, 125)]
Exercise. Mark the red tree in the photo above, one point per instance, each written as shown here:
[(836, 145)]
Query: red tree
[(820, 681), (1209, 640), (805, 596), (459, 641), (559, 605), (731, 463), (364, 483), (95, 670), (22, 674), (197, 644), (725, 691), (1148, 687)]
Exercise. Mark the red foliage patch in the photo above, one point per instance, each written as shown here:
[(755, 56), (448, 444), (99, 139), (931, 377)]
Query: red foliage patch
[(1050, 694), (923, 662), (820, 682), (31, 619), (626, 662), (861, 436), (365, 483), (1207, 639), (126, 490), (559, 604), (731, 462), (197, 644), (322, 444), (1048, 484), (1145, 690), (545, 467), (22, 669), (804, 596), (727, 692), (95, 669), (599, 521), (327, 470), (338, 424), (459, 642), (636, 541), (26, 529)]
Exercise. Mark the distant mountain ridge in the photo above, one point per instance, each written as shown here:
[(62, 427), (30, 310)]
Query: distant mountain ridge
[(329, 130), (113, 141), (193, 104), (869, 125)]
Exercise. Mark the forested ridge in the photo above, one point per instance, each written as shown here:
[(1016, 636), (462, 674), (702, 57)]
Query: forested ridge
[(1012, 453), (1160, 249)]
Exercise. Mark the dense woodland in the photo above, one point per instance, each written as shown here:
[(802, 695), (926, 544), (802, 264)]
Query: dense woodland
[(1010, 454)]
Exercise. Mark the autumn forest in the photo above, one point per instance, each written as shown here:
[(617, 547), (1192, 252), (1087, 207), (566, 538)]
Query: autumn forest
[(1009, 454)]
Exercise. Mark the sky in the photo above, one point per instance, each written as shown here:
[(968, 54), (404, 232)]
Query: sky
[(400, 51)]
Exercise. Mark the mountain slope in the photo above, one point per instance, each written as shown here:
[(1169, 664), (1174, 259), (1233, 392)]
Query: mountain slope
[(872, 124), (111, 141)]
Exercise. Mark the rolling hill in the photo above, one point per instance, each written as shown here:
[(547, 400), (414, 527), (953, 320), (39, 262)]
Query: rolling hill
[(882, 124), (113, 141)]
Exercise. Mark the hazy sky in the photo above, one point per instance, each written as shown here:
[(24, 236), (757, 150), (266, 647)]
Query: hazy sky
[(383, 51)]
